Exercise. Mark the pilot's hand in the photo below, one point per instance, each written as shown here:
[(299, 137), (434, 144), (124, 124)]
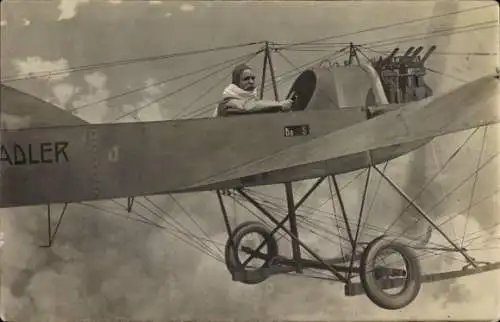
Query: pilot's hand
[(286, 105)]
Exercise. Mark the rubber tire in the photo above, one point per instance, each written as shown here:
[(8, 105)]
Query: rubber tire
[(232, 261), (227, 250), (412, 284)]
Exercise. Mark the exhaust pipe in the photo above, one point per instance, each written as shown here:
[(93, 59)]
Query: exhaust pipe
[(428, 53)]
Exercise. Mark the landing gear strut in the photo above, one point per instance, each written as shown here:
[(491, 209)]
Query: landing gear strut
[(376, 279)]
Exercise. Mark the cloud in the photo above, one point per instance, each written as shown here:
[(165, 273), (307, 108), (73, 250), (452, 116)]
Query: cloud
[(64, 92), (168, 14), (26, 22), (145, 108), (151, 89), (68, 8), (96, 80), (187, 7), (155, 2), (34, 65), (97, 93), (3, 23), (115, 1), (93, 106), (152, 111), (131, 113)]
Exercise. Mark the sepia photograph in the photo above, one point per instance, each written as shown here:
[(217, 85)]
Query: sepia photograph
[(249, 160)]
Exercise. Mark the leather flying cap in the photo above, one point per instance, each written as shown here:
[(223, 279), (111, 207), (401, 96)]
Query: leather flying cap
[(237, 71)]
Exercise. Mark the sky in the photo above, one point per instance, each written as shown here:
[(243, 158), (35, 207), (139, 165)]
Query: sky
[(103, 266)]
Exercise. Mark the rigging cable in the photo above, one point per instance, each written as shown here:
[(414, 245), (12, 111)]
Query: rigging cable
[(383, 53), (173, 92), (422, 190), (281, 78), (187, 233), (474, 184), (186, 53), (285, 46), (187, 107), (177, 77), (453, 190), (53, 72), (427, 35), (187, 213), (107, 211)]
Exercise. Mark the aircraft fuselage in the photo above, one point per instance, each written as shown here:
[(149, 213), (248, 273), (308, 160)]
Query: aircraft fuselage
[(103, 161)]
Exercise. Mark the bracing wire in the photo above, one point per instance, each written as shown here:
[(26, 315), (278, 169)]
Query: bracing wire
[(437, 33), (444, 166), (302, 220), (173, 223), (445, 53), (385, 42), (116, 63), (422, 190), (186, 53), (369, 46), (175, 235), (187, 213), (163, 82), (183, 110), (278, 49), (284, 46), (446, 196), (283, 77), (473, 190), (171, 93)]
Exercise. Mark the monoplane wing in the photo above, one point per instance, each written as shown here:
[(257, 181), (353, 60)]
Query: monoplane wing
[(105, 161), (471, 105)]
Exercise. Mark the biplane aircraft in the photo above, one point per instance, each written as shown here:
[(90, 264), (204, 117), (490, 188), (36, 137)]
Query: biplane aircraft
[(55, 157)]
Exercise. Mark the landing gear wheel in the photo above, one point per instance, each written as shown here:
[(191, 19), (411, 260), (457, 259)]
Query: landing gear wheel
[(235, 265), (372, 275)]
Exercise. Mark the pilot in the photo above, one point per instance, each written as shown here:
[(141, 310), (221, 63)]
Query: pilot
[(240, 97)]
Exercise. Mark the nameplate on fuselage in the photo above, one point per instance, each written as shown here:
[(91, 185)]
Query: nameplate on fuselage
[(36, 153), (296, 130)]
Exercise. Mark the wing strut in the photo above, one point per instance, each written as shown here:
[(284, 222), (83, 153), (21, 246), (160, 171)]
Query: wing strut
[(353, 54), (224, 212), (130, 203), (268, 60), (374, 278), (293, 222), (427, 218), (274, 262), (282, 222), (344, 213), (293, 226), (52, 234)]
